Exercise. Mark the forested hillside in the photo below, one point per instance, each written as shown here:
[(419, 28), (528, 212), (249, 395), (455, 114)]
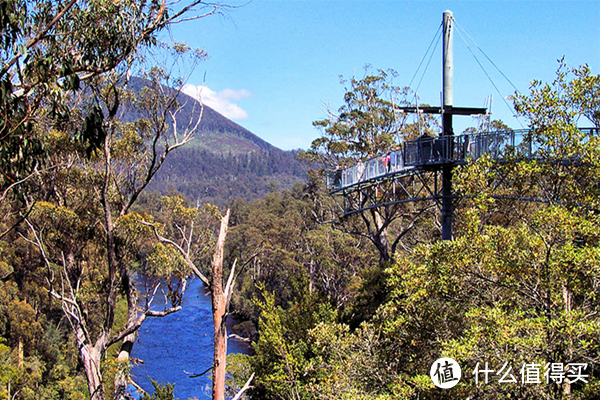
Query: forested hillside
[(208, 177), (223, 160)]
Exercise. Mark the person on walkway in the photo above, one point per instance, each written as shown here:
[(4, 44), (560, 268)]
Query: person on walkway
[(424, 142)]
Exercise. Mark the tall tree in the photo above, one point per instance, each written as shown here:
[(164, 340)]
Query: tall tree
[(366, 125), (65, 158), (97, 188), (369, 124), (51, 48)]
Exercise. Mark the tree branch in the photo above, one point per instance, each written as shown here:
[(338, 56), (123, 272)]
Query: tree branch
[(135, 326), (37, 37), (244, 388), (184, 254)]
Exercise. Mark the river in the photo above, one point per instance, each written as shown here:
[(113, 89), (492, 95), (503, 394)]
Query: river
[(179, 343)]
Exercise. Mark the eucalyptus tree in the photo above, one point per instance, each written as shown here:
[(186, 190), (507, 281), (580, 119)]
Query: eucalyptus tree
[(519, 284), (71, 170), (49, 50), (567, 156), (368, 124), (86, 235)]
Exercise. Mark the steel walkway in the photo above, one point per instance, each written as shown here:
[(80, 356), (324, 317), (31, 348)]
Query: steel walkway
[(411, 171)]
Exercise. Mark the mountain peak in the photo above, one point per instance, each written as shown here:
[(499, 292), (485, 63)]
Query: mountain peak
[(224, 161), (215, 133)]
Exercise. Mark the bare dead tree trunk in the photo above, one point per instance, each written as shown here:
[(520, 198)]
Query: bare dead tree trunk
[(220, 303), (20, 353), (219, 307), (568, 299), (221, 298)]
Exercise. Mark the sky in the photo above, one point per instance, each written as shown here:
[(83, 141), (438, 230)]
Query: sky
[(274, 66)]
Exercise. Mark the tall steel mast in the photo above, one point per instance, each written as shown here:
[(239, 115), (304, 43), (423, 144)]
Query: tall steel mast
[(447, 78)]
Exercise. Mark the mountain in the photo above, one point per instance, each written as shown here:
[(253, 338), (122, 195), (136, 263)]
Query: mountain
[(218, 178), (224, 161), (220, 135), (215, 133)]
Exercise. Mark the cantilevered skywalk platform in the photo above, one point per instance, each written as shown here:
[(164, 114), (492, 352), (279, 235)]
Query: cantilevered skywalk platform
[(412, 172)]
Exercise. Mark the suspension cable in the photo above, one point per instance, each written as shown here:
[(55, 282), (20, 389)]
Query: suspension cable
[(428, 62), (488, 76), (425, 55), (488, 58)]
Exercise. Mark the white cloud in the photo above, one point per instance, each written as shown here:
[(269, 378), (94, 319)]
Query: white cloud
[(222, 102)]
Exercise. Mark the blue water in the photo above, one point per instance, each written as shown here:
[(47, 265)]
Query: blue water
[(179, 343)]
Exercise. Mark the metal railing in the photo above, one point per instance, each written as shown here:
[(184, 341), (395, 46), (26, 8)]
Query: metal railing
[(431, 151)]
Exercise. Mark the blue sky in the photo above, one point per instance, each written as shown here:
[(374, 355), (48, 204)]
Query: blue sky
[(275, 64)]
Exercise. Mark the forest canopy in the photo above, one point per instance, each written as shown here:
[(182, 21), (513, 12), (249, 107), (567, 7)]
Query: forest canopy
[(345, 308)]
